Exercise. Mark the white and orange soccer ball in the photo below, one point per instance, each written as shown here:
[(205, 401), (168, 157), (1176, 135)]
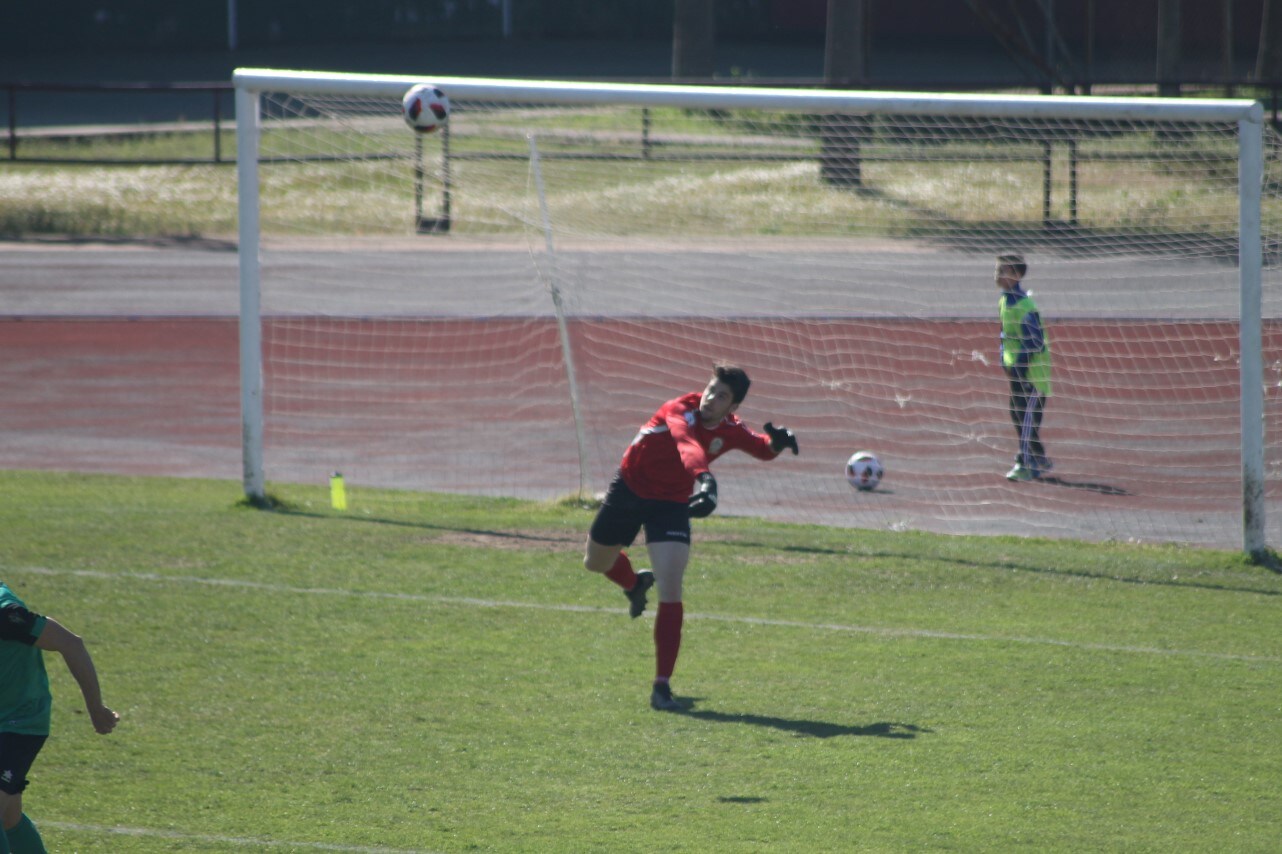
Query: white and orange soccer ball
[(425, 108), (864, 471)]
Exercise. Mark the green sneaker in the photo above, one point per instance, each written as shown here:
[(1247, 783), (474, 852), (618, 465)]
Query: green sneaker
[(1019, 473)]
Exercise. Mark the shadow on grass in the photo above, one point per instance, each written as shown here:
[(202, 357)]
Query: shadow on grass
[(1268, 560), (154, 242), (1101, 488), (1061, 237), (813, 729), (510, 536)]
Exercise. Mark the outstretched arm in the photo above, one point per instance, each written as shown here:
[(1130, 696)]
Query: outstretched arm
[(56, 638)]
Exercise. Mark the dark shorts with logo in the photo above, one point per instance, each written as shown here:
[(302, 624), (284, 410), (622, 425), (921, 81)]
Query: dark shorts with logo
[(623, 514), (17, 752)]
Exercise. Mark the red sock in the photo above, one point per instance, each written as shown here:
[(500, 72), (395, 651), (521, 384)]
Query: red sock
[(667, 638), (621, 573)]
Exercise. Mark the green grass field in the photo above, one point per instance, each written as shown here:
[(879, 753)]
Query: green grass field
[(450, 679)]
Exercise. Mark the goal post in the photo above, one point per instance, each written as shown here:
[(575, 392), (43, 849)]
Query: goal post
[(1250, 320), (250, 327), (694, 223)]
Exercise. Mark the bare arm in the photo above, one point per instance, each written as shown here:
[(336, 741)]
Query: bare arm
[(56, 638)]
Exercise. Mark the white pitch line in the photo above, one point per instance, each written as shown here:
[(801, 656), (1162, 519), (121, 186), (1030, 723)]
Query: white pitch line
[(883, 631), (237, 841)]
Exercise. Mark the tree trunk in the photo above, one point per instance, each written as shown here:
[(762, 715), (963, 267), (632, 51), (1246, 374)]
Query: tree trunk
[(693, 39), (845, 67), (1168, 47), (1226, 45), (1268, 63), (845, 56), (1089, 49)]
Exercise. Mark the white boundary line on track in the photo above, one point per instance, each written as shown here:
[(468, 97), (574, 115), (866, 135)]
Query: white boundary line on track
[(238, 841), (242, 584)]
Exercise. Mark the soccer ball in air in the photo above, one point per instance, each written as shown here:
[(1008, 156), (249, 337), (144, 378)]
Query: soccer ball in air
[(425, 108), (864, 470)]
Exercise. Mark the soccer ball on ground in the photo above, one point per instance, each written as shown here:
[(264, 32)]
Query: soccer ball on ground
[(425, 108), (864, 470)]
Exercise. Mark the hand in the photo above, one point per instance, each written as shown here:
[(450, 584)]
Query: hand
[(780, 438), (104, 719), (704, 500)]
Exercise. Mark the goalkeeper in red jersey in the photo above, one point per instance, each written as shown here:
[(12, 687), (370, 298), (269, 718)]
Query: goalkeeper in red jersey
[(662, 482)]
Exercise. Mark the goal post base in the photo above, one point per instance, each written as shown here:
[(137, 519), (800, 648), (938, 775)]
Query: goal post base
[(433, 225)]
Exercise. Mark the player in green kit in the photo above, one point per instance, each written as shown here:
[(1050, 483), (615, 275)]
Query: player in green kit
[(25, 705), (1026, 359)]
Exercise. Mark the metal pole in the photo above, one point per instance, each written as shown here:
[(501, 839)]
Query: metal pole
[(447, 179), (251, 331), (218, 127), (13, 124), (1072, 182), (1250, 262), (1046, 184), (418, 180)]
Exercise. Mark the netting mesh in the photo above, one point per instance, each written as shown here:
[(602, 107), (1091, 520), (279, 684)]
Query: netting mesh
[(411, 284)]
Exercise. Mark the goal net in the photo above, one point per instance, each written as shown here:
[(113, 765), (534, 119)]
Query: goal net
[(495, 308)]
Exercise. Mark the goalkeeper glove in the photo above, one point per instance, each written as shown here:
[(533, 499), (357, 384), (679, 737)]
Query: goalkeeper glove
[(704, 500), (780, 438)]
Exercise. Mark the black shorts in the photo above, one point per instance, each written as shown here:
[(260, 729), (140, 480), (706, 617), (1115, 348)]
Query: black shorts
[(17, 752), (624, 513)]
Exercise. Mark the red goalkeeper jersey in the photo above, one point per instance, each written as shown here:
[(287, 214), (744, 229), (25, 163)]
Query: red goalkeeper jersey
[(673, 448)]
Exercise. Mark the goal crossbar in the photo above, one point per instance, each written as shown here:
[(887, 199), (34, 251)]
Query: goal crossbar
[(799, 100)]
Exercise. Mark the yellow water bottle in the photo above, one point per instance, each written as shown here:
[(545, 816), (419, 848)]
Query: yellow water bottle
[(337, 491)]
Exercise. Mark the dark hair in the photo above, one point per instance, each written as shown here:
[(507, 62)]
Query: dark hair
[(1015, 261), (736, 378)]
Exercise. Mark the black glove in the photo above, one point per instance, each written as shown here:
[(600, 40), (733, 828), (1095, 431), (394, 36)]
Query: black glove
[(780, 438), (704, 500)]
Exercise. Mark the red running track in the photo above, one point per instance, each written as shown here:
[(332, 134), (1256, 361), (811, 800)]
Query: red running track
[(160, 396)]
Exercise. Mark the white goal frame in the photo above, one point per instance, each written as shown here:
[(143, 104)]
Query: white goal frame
[(1248, 116)]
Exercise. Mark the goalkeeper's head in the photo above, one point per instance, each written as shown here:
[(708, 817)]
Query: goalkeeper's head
[(735, 377), (1011, 268)]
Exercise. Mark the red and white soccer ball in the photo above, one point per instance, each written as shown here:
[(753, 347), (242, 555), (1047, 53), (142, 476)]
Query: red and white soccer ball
[(864, 470), (425, 108)]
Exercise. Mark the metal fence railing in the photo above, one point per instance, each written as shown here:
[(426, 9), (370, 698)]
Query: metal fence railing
[(70, 112), (77, 111)]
